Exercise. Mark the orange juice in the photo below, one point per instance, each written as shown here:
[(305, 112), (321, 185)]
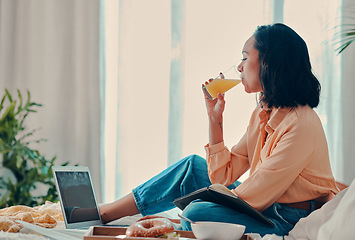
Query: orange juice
[(219, 85)]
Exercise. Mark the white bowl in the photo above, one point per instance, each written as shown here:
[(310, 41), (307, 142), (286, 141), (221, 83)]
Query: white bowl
[(217, 230)]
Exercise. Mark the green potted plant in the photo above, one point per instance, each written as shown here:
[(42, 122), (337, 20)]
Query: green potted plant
[(347, 37), (347, 30), (23, 168)]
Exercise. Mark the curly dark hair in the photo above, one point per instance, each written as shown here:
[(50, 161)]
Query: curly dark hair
[(285, 74)]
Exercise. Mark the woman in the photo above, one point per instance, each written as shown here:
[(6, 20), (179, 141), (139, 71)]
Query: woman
[(284, 147)]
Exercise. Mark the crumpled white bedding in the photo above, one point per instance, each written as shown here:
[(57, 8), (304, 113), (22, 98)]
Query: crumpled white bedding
[(21, 236), (341, 224), (334, 221), (126, 221), (308, 228)]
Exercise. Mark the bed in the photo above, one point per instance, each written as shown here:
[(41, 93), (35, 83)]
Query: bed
[(334, 220)]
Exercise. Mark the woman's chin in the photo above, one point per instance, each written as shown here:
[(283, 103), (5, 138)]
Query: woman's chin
[(247, 90)]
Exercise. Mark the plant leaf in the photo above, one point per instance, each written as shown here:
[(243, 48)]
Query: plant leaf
[(27, 164)]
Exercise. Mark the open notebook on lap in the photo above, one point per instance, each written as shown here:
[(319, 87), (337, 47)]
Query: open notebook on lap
[(77, 197)]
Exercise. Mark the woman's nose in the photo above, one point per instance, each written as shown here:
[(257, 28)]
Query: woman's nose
[(239, 68)]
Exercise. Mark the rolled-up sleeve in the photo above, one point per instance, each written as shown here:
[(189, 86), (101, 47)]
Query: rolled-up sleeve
[(225, 166)]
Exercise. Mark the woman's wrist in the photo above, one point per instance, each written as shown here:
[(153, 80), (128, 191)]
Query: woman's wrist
[(215, 119), (215, 130)]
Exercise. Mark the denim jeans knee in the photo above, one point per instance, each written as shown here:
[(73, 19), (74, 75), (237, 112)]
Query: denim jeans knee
[(183, 177), (197, 210), (195, 160)]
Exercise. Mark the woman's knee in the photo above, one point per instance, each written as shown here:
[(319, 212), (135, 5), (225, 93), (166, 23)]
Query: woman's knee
[(195, 163), (195, 159), (196, 211)]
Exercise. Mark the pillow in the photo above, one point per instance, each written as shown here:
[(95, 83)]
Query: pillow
[(341, 225), (307, 228)]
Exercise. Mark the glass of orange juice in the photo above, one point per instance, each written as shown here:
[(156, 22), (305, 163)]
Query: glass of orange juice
[(222, 83)]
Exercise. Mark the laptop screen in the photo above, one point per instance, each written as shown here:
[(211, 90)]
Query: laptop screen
[(76, 195)]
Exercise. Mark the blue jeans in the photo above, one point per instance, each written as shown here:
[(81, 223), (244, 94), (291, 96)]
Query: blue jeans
[(189, 174)]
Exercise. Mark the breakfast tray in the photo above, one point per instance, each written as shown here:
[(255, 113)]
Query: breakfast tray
[(111, 233), (108, 233)]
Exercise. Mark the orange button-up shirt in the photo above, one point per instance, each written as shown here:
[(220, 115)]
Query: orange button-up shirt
[(287, 154)]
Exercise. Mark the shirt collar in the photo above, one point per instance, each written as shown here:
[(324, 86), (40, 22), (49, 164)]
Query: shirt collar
[(264, 113), (273, 116)]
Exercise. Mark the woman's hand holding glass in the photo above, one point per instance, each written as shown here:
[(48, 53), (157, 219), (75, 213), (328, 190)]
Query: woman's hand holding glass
[(214, 107), (214, 90)]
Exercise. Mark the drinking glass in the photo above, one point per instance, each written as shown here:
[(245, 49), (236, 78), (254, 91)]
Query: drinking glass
[(222, 83)]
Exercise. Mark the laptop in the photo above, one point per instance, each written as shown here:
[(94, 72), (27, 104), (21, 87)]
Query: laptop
[(77, 197)]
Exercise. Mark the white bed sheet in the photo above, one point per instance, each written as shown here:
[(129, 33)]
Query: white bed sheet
[(126, 221), (335, 220)]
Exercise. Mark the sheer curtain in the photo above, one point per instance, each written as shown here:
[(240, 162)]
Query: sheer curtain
[(211, 40), (51, 48), (346, 172), (212, 37)]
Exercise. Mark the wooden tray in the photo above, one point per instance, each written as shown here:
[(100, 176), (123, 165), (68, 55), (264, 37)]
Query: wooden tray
[(110, 233)]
